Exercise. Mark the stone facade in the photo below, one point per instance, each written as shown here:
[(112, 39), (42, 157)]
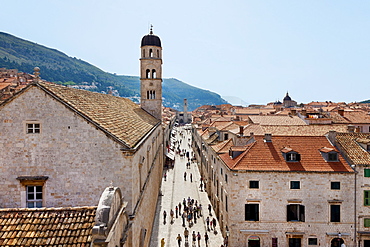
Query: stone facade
[(77, 159), (231, 193)]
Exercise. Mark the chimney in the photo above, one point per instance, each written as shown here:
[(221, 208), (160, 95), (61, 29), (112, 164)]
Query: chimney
[(268, 137), (332, 136), (304, 112), (241, 130), (293, 111), (341, 112), (351, 128)]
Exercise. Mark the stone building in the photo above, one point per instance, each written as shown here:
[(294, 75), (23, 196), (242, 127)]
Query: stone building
[(64, 146), (278, 190)]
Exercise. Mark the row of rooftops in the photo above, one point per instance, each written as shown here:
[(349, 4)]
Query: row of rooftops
[(285, 143)]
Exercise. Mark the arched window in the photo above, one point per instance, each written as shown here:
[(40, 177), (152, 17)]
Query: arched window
[(148, 94), (154, 74), (143, 55), (150, 53), (153, 94), (157, 53), (148, 73)]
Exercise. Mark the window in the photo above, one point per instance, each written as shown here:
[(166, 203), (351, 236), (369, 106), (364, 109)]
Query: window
[(367, 173), (295, 212), (292, 156), (154, 74), (34, 196), (366, 222), (254, 184), (366, 197), (226, 203), (33, 128), (294, 242), (335, 185), (147, 73), (334, 213), (295, 185), (332, 156), (221, 171), (312, 241), (226, 178), (252, 212), (226, 136)]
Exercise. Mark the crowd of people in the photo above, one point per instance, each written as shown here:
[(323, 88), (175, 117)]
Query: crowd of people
[(189, 211)]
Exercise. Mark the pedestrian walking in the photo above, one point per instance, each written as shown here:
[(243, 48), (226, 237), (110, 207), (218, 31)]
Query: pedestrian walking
[(184, 176), (165, 176), (162, 242), (214, 223), (191, 177), (206, 238), (207, 222), (211, 224), (199, 237), (209, 209), (171, 214), (164, 216), (183, 216), (201, 186), (179, 239), (186, 234), (194, 236), (179, 207)]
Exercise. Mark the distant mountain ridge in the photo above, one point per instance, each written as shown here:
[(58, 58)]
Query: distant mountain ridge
[(16, 53)]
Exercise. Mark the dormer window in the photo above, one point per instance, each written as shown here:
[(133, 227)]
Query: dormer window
[(290, 155), (364, 143), (329, 154)]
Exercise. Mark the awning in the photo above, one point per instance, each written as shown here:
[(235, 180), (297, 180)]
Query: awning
[(294, 233), (170, 155), (255, 231), (363, 233)]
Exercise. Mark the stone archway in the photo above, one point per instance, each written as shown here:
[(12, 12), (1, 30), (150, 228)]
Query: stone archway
[(254, 241), (336, 242)]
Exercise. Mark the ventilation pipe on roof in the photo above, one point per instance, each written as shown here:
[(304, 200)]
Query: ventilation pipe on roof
[(268, 137)]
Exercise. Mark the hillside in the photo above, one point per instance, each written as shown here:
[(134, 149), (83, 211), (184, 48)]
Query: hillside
[(16, 53)]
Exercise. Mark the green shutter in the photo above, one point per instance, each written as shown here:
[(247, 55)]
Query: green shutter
[(367, 173), (366, 222), (366, 198)]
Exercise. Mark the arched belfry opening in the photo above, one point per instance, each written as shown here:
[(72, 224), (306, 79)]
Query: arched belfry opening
[(151, 74)]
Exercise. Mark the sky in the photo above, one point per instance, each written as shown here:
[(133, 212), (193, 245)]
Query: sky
[(317, 50)]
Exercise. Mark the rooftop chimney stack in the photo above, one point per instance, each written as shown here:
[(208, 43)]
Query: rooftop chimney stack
[(341, 112), (241, 130), (268, 137)]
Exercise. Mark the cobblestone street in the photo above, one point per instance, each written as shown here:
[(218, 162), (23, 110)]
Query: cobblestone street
[(174, 190)]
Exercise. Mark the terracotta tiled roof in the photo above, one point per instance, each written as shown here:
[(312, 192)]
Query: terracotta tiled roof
[(47, 226), (223, 147), (277, 120), (302, 130), (350, 144), (357, 117), (267, 156), (120, 117)]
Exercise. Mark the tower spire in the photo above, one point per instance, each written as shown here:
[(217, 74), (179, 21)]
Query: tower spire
[(151, 29)]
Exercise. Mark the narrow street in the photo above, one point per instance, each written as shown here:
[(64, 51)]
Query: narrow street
[(174, 190)]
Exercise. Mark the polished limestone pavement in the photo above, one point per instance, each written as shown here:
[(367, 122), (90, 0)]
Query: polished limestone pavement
[(173, 191)]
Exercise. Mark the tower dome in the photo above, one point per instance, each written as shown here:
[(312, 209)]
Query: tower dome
[(287, 97), (151, 39)]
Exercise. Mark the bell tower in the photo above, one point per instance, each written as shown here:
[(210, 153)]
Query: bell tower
[(151, 75)]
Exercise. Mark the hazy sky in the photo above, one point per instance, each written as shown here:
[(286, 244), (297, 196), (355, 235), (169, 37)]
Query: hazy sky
[(257, 50)]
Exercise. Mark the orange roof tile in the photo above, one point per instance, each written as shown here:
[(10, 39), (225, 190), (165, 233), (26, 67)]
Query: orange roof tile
[(267, 156), (47, 226), (350, 144)]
